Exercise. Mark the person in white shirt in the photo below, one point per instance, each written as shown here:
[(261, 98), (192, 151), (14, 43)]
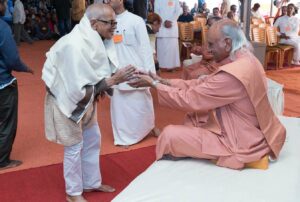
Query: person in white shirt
[(78, 70), (132, 111), (167, 37), (19, 18), (288, 27), (255, 12)]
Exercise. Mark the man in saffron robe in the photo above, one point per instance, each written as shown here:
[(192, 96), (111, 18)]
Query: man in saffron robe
[(236, 124)]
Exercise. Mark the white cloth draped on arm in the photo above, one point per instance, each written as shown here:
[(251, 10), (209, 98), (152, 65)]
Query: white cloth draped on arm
[(77, 60)]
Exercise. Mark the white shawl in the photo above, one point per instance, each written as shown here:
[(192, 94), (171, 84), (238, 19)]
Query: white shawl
[(78, 59)]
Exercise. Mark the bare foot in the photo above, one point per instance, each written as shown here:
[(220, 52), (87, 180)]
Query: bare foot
[(155, 131), (102, 188), (76, 199), (12, 164)]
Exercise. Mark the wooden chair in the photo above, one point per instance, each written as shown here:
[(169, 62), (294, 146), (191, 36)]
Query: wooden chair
[(204, 31), (186, 37), (256, 21), (202, 20), (270, 21), (250, 31), (272, 40), (259, 35), (196, 25)]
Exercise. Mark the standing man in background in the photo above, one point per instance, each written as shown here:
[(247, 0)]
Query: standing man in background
[(167, 37), (9, 61), (132, 110), (140, 8), (62, 8), (19, 19)]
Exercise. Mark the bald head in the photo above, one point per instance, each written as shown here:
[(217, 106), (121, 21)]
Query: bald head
[(98, 11), (217, 27), (227, 38)]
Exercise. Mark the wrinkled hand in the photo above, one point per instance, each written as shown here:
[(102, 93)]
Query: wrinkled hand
[(168, 24), (29, 70), (141, 80), (124, 74)]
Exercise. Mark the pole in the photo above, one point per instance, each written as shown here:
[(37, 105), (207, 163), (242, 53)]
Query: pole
[(271, 10), (246, 6)]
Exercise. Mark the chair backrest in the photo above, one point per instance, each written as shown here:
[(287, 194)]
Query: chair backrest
[(204, 31), (256, 21), (250, 31), (186, 32), (196, 25), (201, 20), (262, 25), (272, 39), (259, 34), (270, 21)]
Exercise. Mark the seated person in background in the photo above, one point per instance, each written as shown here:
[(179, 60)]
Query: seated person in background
[(255, 12), (42, 28), (29, 27), (200, 69), (288, 27), (185, 16), (233, 9), (194, 9), (153, 25), (232, 120), (204, 11), (216, 12), (230, 16), (283, 13), (207, 65)]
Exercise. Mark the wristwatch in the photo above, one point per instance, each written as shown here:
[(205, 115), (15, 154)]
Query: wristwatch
[(154, 83)]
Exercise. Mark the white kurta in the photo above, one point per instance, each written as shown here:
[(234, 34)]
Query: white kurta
[(257, 14), (290, 26), (167, 38), (132, 110)]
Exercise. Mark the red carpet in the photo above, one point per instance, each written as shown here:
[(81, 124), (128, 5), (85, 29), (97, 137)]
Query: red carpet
[(30, 139), (46, 184)]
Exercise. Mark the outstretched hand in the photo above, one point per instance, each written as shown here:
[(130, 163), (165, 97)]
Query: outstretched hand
[(141, 80), (124, 74)]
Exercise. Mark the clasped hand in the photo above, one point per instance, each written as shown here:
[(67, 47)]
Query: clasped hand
[(143, 79), (124, 74)]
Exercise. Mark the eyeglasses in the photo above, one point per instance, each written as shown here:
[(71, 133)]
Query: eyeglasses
[(111, 22)]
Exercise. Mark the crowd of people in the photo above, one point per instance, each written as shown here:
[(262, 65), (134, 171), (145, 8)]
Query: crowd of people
[(117, 53)]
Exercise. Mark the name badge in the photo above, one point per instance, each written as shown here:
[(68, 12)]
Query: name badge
[(288, 28), (170, 3), (118, 38)]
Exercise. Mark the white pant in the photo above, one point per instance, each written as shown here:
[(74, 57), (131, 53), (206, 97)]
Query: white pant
[(296, 43), (81, 163)]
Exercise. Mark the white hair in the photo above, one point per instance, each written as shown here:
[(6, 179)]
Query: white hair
[(96, 10), (238, 38)]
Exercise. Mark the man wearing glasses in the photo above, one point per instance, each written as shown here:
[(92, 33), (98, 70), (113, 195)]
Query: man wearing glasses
[(131, 109), (77, 71)]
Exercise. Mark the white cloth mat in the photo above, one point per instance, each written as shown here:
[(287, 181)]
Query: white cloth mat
[(193, 180)]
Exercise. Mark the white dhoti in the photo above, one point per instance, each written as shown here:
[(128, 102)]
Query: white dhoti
[(132, 115), (81, 163), (296, 43), (168, 52)]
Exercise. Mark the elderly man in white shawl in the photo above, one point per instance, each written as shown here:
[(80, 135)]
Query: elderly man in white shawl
[(78, 69)]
